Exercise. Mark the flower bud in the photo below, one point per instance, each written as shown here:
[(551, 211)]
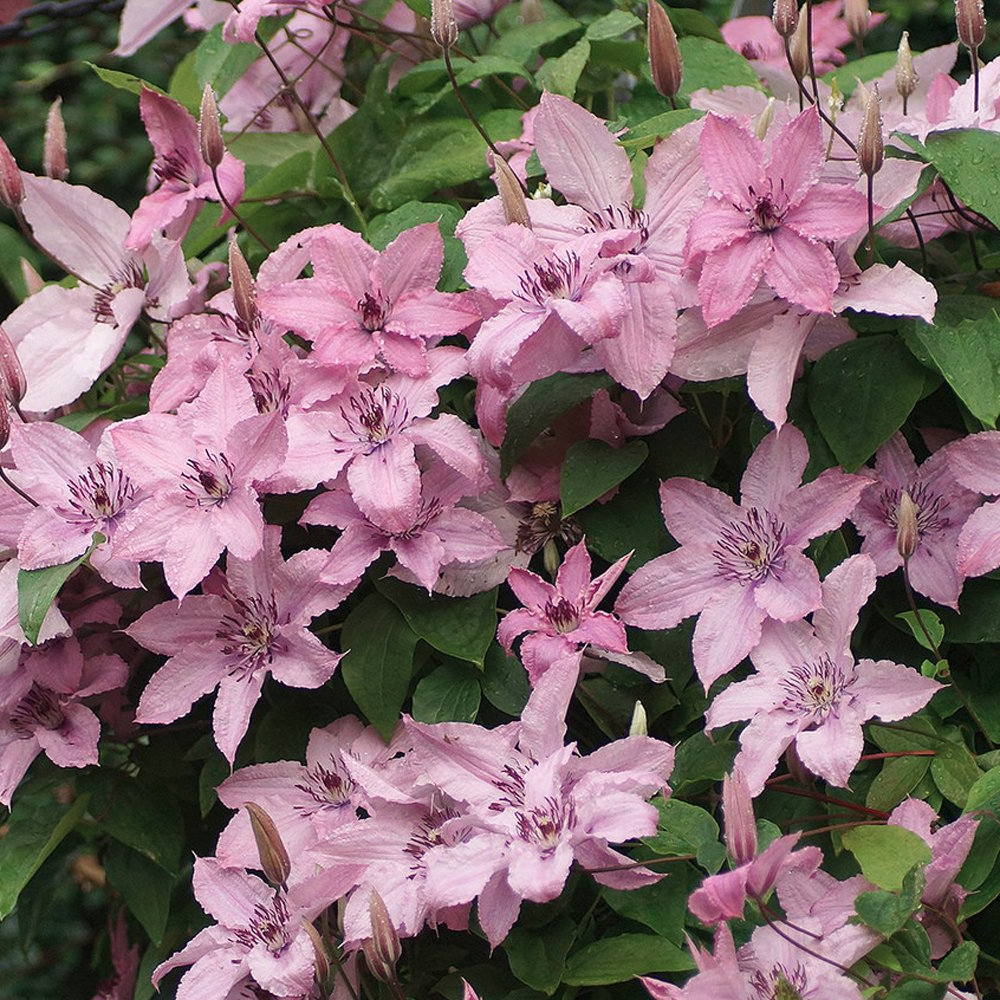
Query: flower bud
[(444, 27), (907, 528), (213, 147), (871, 145), (274, 861), (319, 952), (737, 809), (12, 379), (382, 949), (640, 724), (55, 161), (971, 23), (11, 185), (906, 75), (32, 279), (550, 557), (857, 15), (515, 208), (785, 17), (798, 46), (664, 53), (244, 292), (764, 120)]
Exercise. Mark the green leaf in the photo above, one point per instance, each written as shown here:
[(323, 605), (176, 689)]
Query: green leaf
[(867, 68), (144, 886), (886, 853), (713, 65), (955, 771), (123, 81), (960, 965), (619, 959), (985, 793), (662, 907), (538, 957), (966, 351), (222, 63), (693, 22), (644, 134), (137, 814), (591, 468), (861, 392), (561, 75), (379, 663), (699, 762), (490, 65), (612, 25), (966, 159), (522, 41), (914, 989), (684, 828), (927, 620), (539, 405), (898, 777), (979, 617), (38, 588), (887, 912), (451, 693), (36, 827), (505, 681), (459, 626)]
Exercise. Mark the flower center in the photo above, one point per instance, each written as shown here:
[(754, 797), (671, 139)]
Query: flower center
[(129, 275), (779, 983), (99, 495), (544, 827), (373, 310), (328, 786), (563, 615), (271, 390), (765, 210), (40, 708), (249, 633), (815, 688), (209, 483), (750, 550), (174, 170), (621, 217), (373, 416), (267, 927), (557, 277)]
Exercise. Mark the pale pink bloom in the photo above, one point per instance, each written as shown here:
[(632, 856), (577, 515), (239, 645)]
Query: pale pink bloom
[(144, 19), (470, 12), (950, 844), (253, 623), (200, 468), (79, 490), (242, 23), (424, 537), (563, 619), (258, 935), (180, 179), (362, 307), (41, 710), (808, 689), (310, 50), (66, 337), (771, 216), (739, 566), (943, 507), (952, 106), (975, 461)]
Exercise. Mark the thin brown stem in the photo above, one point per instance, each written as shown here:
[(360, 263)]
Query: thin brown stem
[(820, 797), (17, 489), (231, 208), (465, 107)]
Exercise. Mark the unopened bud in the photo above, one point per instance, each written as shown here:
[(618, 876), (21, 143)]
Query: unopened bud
[(11, 185), (274, 861), (764, 120), (55, 161), (664, 53), (906, 75), (444, 27), (531, 12), (907, 528), (737, 810), (871, 144), (640, 724), (857, 14), (244, 291), (515, 208), (12, 379), (385, 938), (798, 46), (213, 147), (32, 279), (322, 959), (785, 17), (550, 557), (971, 23)]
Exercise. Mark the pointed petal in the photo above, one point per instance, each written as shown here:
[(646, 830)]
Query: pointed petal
[(695, 512), (797, 155), (774, 362), (730, 275), (727, 630), (176, 686), (732, 158), (669, 589), (775, 469), (802, 271), (411, 261)]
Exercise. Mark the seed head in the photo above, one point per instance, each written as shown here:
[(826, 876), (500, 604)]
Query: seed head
[(664, 53)]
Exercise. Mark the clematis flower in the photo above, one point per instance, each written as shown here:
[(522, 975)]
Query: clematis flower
[(41, 710), (253, 623), (143, 19), (770, 215), (180, 179), (809, 691), (975, 461), (563, 619), (362, 307), (739, 566), (942, 508), (200, 467)]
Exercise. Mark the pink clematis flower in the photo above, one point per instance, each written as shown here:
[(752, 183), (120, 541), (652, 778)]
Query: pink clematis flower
[(253, 623), (943, 507), (562, 619), (362, 307), (144, 19), (180, 179), (41, 710), (975, 461), (739, 566), (809, 691), (200, 468), (770, 216)]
